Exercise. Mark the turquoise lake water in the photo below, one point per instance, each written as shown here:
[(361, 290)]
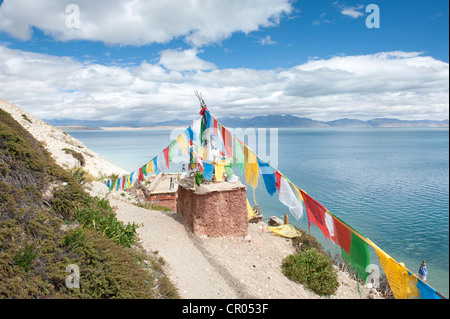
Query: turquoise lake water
[(391, 184)]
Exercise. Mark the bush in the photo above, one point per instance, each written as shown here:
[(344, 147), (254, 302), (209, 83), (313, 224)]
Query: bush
[(97, 214), (306, 241), (312, 269)]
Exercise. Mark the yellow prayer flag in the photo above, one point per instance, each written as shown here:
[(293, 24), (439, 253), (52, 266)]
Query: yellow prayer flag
[(219, 170), (202, 152), (403, 285), (151, 167), (182, 143), (250, 212), (251, 167)]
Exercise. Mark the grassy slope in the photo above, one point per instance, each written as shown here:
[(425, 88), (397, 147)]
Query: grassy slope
[(43, 229)]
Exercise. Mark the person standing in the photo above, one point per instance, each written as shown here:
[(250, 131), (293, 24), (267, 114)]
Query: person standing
[(423, 272)]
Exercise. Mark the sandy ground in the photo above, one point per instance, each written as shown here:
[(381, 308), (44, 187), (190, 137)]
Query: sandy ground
[(200, 267)]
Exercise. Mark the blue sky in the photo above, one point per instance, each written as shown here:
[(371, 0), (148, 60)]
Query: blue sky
[(309, 58)]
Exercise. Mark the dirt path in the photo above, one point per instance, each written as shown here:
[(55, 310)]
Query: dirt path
[(216, 268)]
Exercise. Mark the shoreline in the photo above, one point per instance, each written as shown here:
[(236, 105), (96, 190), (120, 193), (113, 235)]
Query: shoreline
[(127, 128), (116, 128)]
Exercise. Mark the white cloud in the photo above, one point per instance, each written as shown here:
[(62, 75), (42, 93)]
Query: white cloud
[(352, 11), (406, 85), (140, 22), (267, 41), (186, 60)]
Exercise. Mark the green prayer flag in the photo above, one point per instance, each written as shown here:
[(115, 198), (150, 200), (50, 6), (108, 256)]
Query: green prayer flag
[(238, 155), (144, 170), (202, 131), (172, 150), (229, 170), (358, 256)]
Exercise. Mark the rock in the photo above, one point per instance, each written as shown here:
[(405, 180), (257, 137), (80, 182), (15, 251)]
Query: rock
[(248, 237), (275, 221)]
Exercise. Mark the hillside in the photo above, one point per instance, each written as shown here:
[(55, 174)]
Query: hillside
[(44, 230), (62, 147)]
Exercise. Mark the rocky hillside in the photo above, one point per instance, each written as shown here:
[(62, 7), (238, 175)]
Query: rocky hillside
[(67, 151)]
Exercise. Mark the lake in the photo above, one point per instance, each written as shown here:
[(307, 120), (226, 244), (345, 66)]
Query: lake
[(391, 184)]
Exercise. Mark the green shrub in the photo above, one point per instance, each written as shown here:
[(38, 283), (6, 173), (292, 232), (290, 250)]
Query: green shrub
[(26, 255), (306, 241), (96, 213), (312, 269)]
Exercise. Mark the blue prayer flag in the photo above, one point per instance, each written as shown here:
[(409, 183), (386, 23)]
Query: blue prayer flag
[(155, 164), (268, 174), (208, 170)]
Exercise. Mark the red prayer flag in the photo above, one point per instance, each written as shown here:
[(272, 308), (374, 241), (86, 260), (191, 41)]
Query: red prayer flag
[(227, 141), (316, 213), (166, 156), (141, 175), (277, 180), (342, 235), (216, 127)]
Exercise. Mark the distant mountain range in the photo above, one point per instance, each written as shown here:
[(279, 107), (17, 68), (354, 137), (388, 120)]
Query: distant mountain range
[(268, 121)]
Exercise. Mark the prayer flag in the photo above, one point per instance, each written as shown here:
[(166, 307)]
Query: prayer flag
[(200, 163), (330, 224), (166, 155), (277, 180), (342, 235), (403, 285), (182, 143), (219, 171), (151, 167), (425, 291), (316, 213), (238, 155), (144, 170), (287, 196), (208, 119), (190, 134), (229, 171), (172, 150), (134, 177), (208, 171), (251, 167), (227, 141), (130, 180), (140, 175), (215, 127), (268, 174), (359, 255), (196, 131), (155, 165), (162, 160)]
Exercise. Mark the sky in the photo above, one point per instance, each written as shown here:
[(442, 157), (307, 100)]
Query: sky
[(142, 60)]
